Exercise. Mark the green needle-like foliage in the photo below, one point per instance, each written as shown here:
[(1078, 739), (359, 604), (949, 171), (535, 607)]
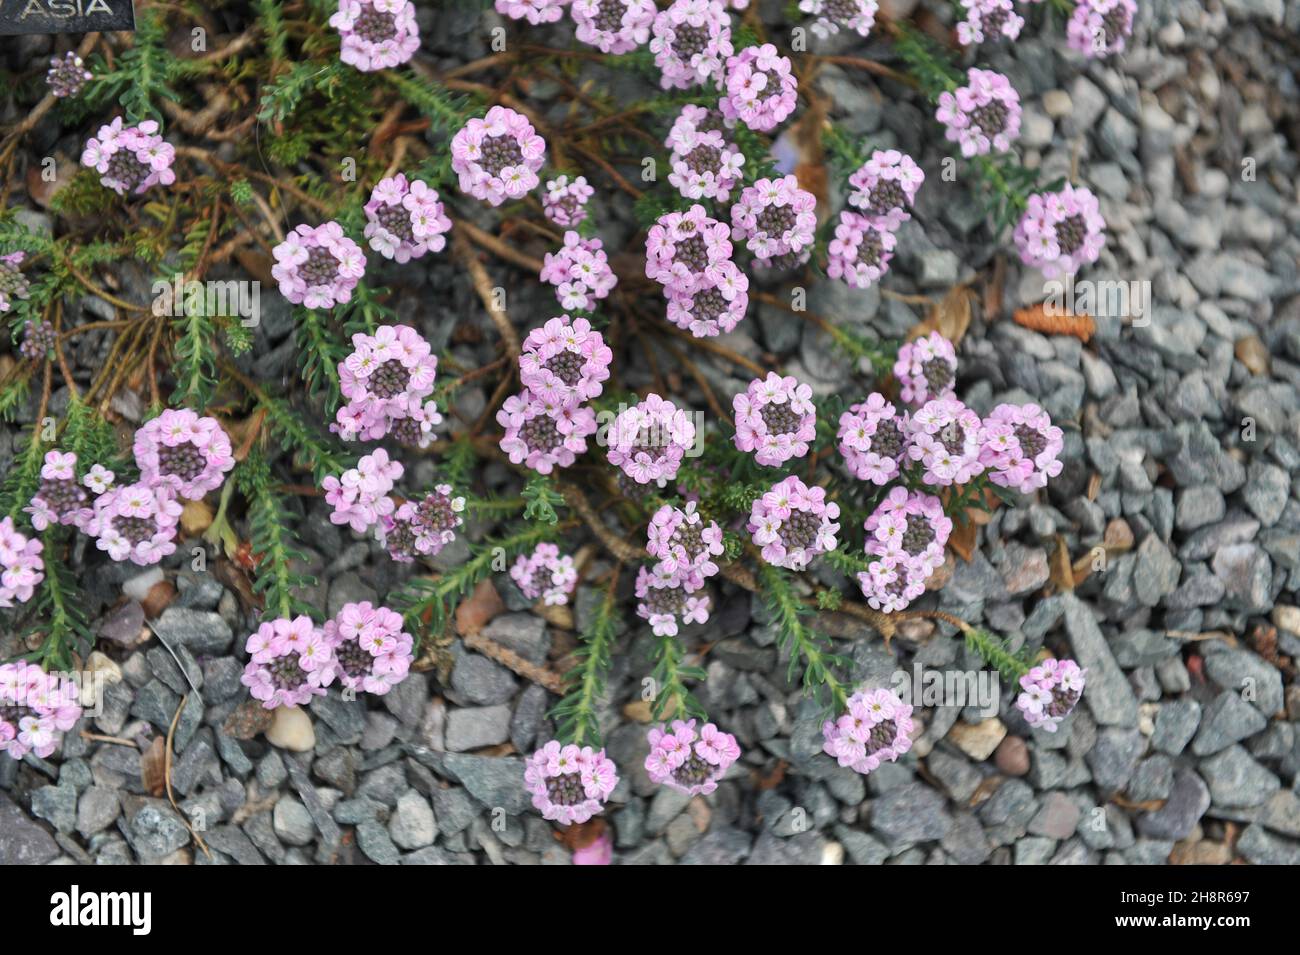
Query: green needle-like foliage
[(576, 719), (274, 544), (801, 642)]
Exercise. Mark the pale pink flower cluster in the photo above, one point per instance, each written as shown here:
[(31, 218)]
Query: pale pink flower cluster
[(793, 523), (534, 11), (497, 157), (692, 39), (776, 219), (664, 601), (906, 534), (775, 419), (689, 763), (290, 661), (67, 75), (649, 440), (545, 574), (422, 528), (683, 247), (1050, 692), (580, 272), (569, 784), (1021, 447), (185, 453), (36, 708), (318, 267), (130, 158), (873, 438), (359, 496), (712, 305), (370, 651), (947, 438), (613, 26), (885, 186), (685, 545), (405, 219), (565, 361), (387, 381), (705, 165), (376, 34), (136, 522), (859, 253), (926, 369), (21, 566), (760, 88), (1061, 232), (858, 16), (565, 202), (1100, 28), (876, 728), (60, 498), (983, 116), (544, 434), (988, 20)]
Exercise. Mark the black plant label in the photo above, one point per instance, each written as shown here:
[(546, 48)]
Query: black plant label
[(65, 16)]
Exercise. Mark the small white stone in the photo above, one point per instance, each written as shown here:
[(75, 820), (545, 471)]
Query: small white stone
[(137, 588), (291, 729)]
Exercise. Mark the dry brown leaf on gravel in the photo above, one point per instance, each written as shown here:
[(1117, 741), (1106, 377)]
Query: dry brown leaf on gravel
[(153, 767), (1038, 319), (950, 316)]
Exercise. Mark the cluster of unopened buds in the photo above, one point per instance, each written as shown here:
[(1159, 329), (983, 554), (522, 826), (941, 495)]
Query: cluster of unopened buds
[(13, 284), (67, 75)]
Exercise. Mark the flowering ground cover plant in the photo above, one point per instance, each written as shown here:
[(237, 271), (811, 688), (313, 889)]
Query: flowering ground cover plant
[(627, 462)]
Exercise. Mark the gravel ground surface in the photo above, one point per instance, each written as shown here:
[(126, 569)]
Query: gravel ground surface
[(1182, 439)]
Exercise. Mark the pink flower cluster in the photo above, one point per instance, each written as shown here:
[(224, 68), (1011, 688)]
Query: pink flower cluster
[(885, 186), (689, 763), (184, 453), (67, 75), (1021, 447), (545, 574), (1050, 691), (422, 528), (860, 252), (387, 380), (760, 88), (705, 165), (565, 202), (130, 158), (21, 566), (60, 499), (376, 34), (685, 545), (359, 496), (692, 39), (580, 273), (926, 369), (876, 728), (36, 709), (565, 361), (1061, 232), (1099, 28), (318, 267), (569, 784), (13, 284), (906, 534), (983, 116), (793, 523), (873, 438), (290, 662), (613, 26), (988, 20), (534, 11), (136, 522), (497, 157), (689, 253), (775, 419), (858, 16), (666, 603), (776, 219), (947, 438), (369, 649), (405, 219), (650, 439), (544, 434)]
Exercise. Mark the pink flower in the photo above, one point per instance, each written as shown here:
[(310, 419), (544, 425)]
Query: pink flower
[(705, 164), (136, 522), (569, 784), (983, 116), (534, 11), (291, 661), (860, 252), (565, 361), (1100, 28), (683, 247), (376, 34), (885, 187), (613, 26), (130, 158), (565, 202), (946, 437), (760, 88), (1021, 447), (926, 369), (873, 439), (423, 528), (387, 379), (692, 39), (598, 852), (776, 219), (906, 533), (665, 602), (405, 219), (497, 157), (858, 16), (691, 765), (875, 728), (715, 303), (775, 419), (1061, 232), (1051, 690), (545, 574), (359, 496), (580, 272), (36, 709), (988, 20), (649, 440), (318, 267), (793, 523), (685, 545), (544, 434), (59, 498), (21, 566), (373, 658), (186, 453)]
